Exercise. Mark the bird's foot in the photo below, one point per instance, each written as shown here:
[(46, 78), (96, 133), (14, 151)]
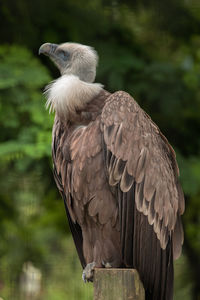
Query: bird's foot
[(106, 264), (88, 272)]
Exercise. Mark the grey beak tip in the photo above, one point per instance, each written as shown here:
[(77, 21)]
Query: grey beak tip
[(39, 51), (47, 48)]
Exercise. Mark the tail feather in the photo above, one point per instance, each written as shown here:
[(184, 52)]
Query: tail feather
[(154, 264)]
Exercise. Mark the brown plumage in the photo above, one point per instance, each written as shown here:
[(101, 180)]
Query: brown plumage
[(118, 177)]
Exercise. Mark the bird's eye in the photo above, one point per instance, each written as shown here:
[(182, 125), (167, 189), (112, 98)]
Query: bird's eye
[(64, 55)]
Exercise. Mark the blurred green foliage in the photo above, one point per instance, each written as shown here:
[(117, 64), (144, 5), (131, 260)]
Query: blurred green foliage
[(150, 49), (24, 123), (31, 218)]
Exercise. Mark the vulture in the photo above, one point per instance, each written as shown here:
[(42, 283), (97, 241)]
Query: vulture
[(116, 172)]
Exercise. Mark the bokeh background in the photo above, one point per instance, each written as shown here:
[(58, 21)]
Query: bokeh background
[(150, 49)]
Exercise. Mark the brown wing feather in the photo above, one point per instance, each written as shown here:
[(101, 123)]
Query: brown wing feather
[(78, 172), (142, 164), (58, 160), (88, 178)]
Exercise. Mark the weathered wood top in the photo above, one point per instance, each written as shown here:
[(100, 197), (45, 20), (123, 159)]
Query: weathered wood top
[(117, 284)]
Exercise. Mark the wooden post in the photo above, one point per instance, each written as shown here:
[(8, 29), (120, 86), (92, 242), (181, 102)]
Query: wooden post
[(117, 284)]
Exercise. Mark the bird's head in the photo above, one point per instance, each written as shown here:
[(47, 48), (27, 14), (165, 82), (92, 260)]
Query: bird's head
[(73, 59), (71, 92)]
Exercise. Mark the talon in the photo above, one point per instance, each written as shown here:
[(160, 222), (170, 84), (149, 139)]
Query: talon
[(88, 272), (84, 277), (106, 264)]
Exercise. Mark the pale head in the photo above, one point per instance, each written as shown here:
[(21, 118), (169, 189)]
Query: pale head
[(73, 59)]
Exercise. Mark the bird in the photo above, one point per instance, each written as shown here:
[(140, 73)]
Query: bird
[(116, 172)]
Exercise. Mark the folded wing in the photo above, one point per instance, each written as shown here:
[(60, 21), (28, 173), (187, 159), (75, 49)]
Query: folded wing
[(141, 164)]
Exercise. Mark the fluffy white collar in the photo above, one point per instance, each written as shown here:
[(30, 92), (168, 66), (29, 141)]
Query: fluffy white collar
[(68, 94)]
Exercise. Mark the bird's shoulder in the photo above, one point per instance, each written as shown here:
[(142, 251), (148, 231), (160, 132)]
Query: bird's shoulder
[(121, 109)]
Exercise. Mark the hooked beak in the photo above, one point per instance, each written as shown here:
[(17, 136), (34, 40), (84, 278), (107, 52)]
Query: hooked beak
[(48, 49)]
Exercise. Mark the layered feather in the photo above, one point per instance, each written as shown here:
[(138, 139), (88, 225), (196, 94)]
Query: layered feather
[(142, 166)]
